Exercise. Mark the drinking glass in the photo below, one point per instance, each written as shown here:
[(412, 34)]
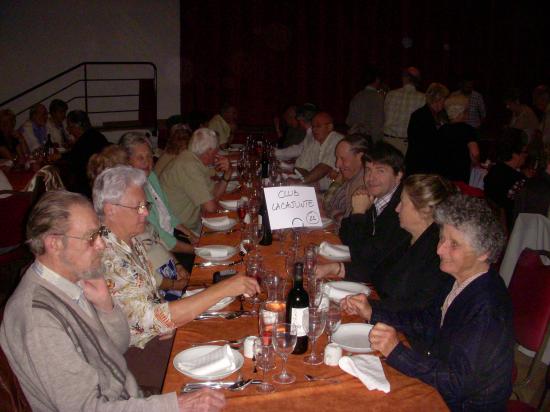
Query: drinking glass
[(282, 235), (250, 237), (274, 286), (314, 322), (290, 259), (242, 207), (333, 320), (316, 291), (254, 269), (271, 313), (284, 341), (264, 359)]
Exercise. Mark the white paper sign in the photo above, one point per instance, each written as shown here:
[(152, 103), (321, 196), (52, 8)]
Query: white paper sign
[(292, 206)]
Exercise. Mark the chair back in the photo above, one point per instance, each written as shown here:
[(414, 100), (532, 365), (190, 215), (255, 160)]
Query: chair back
[(469, 190), (530, 293), (14, 210), (12, 397)]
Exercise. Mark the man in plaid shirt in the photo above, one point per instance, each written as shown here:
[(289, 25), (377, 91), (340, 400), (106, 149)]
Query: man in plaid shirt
[(476, 108), (399, 105)]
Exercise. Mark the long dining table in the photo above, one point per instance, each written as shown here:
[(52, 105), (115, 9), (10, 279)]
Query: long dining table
[(406, 393)]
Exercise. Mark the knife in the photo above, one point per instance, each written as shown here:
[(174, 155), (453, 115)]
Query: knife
[(209, 264)]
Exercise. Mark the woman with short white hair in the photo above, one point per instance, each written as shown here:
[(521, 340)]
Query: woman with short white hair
[(457, 150), (120, 201)]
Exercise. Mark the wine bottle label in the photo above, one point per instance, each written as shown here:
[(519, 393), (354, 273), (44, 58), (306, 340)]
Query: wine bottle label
[(297, 318)]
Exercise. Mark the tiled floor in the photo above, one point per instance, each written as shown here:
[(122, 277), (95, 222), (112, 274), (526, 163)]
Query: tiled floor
[(532, 392)]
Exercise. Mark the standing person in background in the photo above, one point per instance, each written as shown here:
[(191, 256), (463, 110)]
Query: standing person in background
[(34, 130), (55, 126), (225, 124), (304, 117), (366, 109), (541, 104), (475, 114), (398, 107), (422, 131), (523, 117)]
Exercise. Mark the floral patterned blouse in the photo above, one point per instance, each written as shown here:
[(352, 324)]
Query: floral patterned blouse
[(132, 284)]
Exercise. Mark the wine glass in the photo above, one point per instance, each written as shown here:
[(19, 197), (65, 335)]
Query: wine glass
[(264, 359), (333, 320), (271, 313), (314, 322), (242, 206), (316, 290), (274, 286), (290, 259), (282, 235), (254, 269), (284, 341)]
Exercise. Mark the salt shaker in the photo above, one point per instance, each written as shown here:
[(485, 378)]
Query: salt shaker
[(333, 353), (248, 346)]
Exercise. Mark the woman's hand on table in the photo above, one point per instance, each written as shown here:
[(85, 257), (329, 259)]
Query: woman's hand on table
[(361, 201), (328, 270), (240, 285), (383, 338), (205, 400), (357, 305)]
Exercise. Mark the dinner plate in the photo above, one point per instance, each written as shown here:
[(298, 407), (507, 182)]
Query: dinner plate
[(216, 307), (229, 204), (210, 223), (334, 258), (353, 337), (204, 252), (193, 353), (339, 289)]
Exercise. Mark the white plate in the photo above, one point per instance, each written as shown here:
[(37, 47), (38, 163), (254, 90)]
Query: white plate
[(334, 258), (216, 307), (217, 228), (193, 353), (353, 337), (338, 290), (232, 185), (204, 253), (229, 204)]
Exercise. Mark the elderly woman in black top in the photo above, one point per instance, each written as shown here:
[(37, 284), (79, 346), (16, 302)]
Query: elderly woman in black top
[(468, 331), (414, 279)]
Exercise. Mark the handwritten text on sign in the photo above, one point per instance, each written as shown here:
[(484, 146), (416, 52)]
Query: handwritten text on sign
[(292, 206)]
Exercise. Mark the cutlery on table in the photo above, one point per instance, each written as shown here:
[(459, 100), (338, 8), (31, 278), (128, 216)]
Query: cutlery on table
[(232, 386), (209, 264), (234, 342), (224, 315), (311, 378), (219, 233)]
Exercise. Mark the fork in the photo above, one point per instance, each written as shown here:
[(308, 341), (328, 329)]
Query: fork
[(234, 342), (311, 378)]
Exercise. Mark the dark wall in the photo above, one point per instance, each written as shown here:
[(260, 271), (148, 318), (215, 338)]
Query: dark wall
[(264, 55)]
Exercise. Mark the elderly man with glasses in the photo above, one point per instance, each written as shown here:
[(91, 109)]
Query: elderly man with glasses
[(62, 333)]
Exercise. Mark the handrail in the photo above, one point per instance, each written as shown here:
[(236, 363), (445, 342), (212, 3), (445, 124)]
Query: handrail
[(86, 80)]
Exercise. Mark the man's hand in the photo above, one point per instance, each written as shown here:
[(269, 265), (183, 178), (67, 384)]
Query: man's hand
[(357, 305), (361, 201), (205, 400), (326, 270), (383, 338), (97, 293), (222, 164)]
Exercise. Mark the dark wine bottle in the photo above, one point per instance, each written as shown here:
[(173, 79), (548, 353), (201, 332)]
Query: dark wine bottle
[(297, 303), (265, 165), (267, 237), (48, 146)]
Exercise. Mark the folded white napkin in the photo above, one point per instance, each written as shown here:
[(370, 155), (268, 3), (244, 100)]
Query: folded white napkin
[(290, 176), (287, 166), (338, 251), (368, 369), (336, 294), (229, 204), (216, 221), (216, 252), (213, 362)]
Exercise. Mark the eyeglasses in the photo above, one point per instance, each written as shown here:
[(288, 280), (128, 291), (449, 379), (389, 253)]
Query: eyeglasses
[(140, 209), (102, 231)]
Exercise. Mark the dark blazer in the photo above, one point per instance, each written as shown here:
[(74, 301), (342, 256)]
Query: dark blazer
[(470, 357), (415, 280), (373, 239), (422, 137)]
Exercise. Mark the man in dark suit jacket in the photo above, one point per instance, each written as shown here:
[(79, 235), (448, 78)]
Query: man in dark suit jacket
[(372, 231)]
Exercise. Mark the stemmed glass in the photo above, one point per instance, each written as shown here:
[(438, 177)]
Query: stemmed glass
[(284, 341), (316, 291), (271, 313), (254, 269), (274, 286), (242, 207), (314, 323), (333, 320), (264, 359), (282, 235)]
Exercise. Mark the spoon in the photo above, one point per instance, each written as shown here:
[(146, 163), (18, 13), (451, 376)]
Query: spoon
[(311, 378)]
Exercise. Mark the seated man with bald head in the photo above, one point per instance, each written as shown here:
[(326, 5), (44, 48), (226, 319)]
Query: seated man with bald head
[(317, 159)]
